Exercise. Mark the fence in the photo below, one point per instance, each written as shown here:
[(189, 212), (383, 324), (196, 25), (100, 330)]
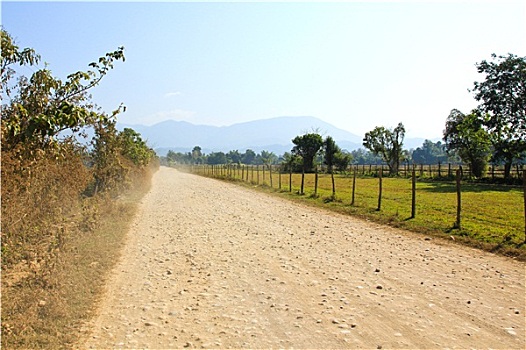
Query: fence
[(447, 204)]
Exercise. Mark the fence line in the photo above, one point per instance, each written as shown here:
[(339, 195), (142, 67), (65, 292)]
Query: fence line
[(272, 175)]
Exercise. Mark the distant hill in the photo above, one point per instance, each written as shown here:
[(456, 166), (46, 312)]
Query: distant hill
[(273, 135)]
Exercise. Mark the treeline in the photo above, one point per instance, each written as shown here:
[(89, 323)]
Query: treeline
[(493, 133), (54, 176), (429, 153)]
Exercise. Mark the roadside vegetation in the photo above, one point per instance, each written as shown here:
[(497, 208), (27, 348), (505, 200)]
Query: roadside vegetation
[(67, 197)]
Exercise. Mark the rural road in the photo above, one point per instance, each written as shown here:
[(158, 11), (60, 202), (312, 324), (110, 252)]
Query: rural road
[(208, 264)]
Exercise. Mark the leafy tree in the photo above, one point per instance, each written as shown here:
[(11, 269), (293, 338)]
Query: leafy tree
[(331, 150), (12, 55), (291, 162), (248, 157), (197, 155), (342, 160), (216, 158), (466, 135), (388, 144), (233, 157), (430, 153), (134, 148), (503, 96), (307, 147), (363, 156), (171, 157), (268, 158), (41, 107)]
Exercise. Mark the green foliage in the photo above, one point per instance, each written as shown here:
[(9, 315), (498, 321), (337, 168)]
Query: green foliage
[(248, 157), (12, 55), (41, 107), (503, 96), (465, 135), (234, 157), (330, 149), (307, 147), (388, 144), (268, 158), (363, 156), (197, 155), (430, 153), (216, 158), (291, 162), (134, 148)]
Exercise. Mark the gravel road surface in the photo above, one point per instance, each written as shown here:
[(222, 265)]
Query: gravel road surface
[(208, 264)]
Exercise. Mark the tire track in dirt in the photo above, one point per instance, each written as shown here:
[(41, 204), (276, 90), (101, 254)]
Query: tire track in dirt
[(208, 264)]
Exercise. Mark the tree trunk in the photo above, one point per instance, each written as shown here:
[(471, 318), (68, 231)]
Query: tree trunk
[(507, 170)]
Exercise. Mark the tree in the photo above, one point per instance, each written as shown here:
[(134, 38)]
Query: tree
[(197, 155), (268, 158), (466, 135), (41, 107), (291, 162), (307, 147), (248, 157), (363, 156), (233, 157), (430, 153), (342, 160), (134, 148), (503, 96), (388, 144), (331, 151), (216, 158)]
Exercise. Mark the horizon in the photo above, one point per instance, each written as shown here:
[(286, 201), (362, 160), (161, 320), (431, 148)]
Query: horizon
[(355, 65)]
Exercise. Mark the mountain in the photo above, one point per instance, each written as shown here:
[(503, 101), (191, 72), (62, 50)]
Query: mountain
[(273, 135)]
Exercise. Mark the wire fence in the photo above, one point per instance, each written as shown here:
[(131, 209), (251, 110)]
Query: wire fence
[(448, 203)]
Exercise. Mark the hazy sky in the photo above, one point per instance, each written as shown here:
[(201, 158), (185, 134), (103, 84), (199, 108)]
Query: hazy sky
[(356, 65)]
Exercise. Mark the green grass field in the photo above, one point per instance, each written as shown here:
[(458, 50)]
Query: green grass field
[(492, 215)]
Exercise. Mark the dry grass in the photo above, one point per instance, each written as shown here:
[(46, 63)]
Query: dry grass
[(50, 289)]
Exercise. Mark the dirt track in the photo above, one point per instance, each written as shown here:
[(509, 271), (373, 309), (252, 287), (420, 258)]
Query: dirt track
[(210, 264)]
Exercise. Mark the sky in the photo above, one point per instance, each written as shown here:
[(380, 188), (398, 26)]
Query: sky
[(354, 64)]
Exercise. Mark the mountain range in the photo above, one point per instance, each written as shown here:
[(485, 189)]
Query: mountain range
[(274, 135)]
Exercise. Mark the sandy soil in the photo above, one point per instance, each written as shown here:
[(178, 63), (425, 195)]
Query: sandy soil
[(209, 264)]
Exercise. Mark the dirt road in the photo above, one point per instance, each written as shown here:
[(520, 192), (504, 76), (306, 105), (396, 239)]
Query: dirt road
[(209, 264)]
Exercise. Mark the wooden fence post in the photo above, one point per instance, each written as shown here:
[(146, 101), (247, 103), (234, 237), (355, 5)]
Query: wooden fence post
[(380, 190), (316, 182), (459, 198), (354, 184), (270, 172), (290, 178), (257, 173), (413, 193), (279, 178), (524, 190)]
